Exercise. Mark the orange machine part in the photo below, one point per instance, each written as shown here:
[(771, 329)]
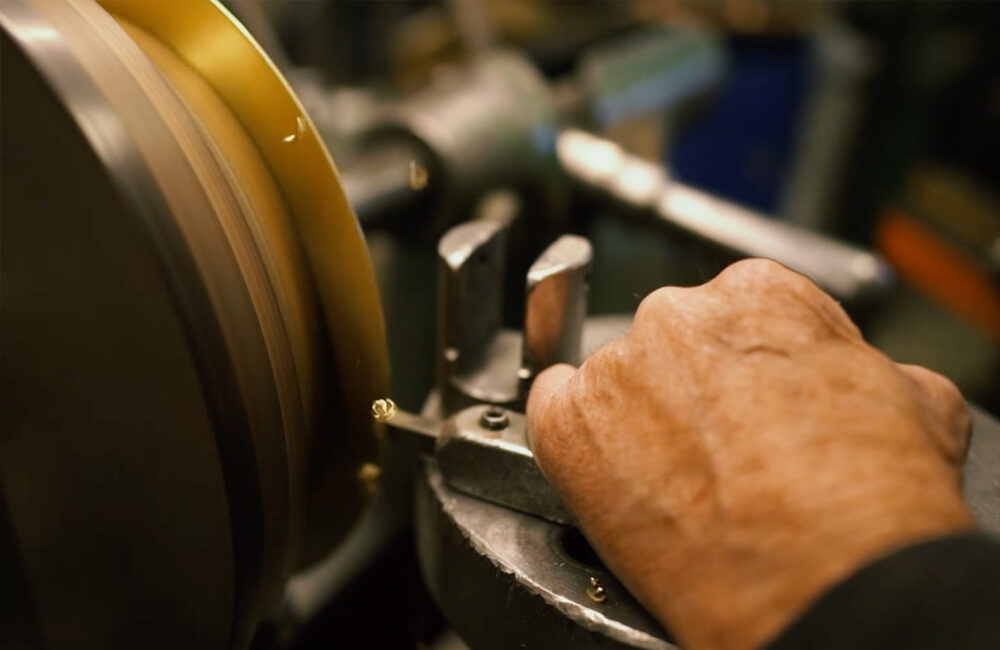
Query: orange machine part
[(941, 270)]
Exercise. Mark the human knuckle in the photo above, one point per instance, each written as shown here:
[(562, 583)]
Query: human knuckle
[(755, 269), (952, 407), (953, 402), (661, 307), (658, 300), (949, 390), (944, 390), (943, 395), (605, 358), (766, 276)]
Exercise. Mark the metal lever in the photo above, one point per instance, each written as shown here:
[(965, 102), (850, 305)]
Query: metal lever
[(847, 272), (483, 451), (555, 307)]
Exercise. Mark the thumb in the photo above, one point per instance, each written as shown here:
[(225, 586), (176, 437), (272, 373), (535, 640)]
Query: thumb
[(540, 400)]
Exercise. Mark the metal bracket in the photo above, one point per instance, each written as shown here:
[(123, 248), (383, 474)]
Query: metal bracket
[(483, 451)]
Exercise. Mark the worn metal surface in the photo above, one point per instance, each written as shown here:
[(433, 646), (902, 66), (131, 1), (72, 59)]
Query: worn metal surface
[(472, 258), (555, 306), (483, 451), (495, 379), (496, 466), (509, 580), (477, 360)]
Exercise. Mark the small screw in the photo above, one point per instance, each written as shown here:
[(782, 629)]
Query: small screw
[(417, 176), (596, 591), (494, 418), (383, 409), (368, 475)]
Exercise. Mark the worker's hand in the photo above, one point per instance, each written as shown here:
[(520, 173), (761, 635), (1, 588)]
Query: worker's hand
[(741, 449)]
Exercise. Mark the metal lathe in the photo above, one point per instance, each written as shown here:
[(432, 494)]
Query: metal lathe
[(200, 444)]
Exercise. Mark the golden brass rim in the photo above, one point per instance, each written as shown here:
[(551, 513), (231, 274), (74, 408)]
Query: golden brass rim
[(220, 51), (214, 44)]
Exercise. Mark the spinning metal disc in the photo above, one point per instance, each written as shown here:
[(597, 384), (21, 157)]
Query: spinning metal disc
[(191, 332)]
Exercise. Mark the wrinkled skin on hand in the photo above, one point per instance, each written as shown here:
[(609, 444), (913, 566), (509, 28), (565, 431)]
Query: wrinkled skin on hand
[(741, 449)]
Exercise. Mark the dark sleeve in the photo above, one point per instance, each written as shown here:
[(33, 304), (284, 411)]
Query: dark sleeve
[(941, 594)]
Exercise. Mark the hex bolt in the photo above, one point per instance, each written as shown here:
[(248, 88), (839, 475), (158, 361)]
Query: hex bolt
[(596, 591), (494, 418)]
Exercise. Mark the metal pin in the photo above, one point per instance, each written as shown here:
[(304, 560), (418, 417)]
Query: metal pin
[(383, 409), (596, 591)]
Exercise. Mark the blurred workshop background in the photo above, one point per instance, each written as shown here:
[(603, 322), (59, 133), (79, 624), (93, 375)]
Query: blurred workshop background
[(876, 122)]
